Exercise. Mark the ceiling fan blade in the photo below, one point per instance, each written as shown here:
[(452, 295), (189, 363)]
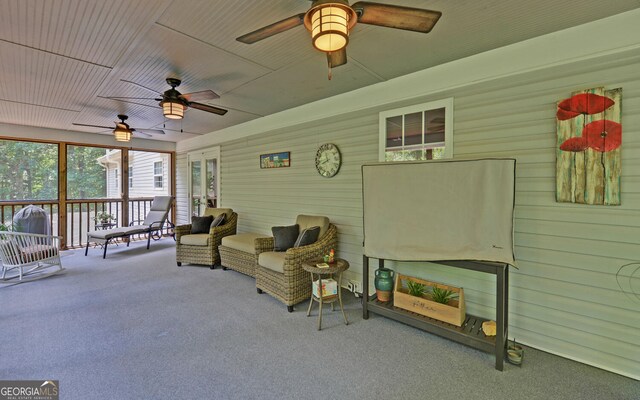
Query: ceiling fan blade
[(151, 131), (270, 30), (201, 96), (137, 84), (130, 98), (337, 58), (136, 131), (93, 126), (398, 17), (208, 108), (183, 131)]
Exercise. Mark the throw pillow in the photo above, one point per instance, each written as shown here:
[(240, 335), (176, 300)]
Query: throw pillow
[(219, 220), (284, 237), (307, 236), (201, 224)]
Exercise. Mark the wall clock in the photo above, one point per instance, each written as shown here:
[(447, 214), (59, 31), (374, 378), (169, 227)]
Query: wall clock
[(328, 160)]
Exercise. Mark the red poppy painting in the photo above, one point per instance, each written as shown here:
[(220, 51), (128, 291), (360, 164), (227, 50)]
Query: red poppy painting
[(588, 163)]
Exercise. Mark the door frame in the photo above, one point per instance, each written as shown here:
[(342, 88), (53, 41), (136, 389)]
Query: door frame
[(202, 155)]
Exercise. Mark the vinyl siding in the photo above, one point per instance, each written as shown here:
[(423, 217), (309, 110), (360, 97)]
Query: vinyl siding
[(142, 164), (182, 194), (564, 296)]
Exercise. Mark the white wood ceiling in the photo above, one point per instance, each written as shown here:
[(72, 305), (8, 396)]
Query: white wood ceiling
[(61, 59)]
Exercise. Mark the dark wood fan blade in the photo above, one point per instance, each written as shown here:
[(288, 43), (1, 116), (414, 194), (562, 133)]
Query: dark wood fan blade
[(182, 131), (93, 126), (398, 17), (337, 58), (129, 98), (270, 30), (137, 84), (208, 108), (151, 131), (201, 96)]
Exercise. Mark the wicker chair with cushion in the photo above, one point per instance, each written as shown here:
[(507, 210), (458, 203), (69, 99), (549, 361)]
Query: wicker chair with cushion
[(202, 248), (280, 273)]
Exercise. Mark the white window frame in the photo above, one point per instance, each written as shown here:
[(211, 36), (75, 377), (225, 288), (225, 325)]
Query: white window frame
[(447, 104), (161, 174)]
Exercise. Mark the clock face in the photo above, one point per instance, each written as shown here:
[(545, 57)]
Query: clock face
[(328, 160)]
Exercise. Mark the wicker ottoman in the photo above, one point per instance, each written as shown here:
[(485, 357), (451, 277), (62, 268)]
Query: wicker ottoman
[(237, 252)]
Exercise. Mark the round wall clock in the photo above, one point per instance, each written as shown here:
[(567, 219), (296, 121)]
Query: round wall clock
[(328, 160)]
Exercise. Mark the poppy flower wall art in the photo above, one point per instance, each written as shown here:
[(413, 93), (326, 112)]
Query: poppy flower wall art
[(588, 159)]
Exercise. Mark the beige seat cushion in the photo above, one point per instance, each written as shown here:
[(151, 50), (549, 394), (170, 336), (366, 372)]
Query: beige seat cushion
[(308, 221), (195, 239), (117, 232), (242, 241), (217, 211), (273, 260)]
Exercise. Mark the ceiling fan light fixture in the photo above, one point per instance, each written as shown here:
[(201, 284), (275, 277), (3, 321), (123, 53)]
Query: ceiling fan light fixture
[(122, 134), (172, 109), (329, 24)]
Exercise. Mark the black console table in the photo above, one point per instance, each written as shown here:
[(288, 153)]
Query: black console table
[(470, 333)]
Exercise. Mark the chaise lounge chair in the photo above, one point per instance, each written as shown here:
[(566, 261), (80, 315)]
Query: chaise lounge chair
[(154, 221)]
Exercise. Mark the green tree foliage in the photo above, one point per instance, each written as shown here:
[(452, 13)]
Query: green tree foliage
[(86, 179), (28, 170)]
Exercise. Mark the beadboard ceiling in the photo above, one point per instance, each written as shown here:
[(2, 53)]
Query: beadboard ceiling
[(60, 60)]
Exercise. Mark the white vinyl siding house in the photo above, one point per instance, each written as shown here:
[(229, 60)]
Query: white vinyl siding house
[(564, 296), (148, 174)]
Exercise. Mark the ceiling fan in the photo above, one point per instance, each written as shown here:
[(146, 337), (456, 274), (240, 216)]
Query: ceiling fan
[(330, 21), (122, 131), (174, 103)]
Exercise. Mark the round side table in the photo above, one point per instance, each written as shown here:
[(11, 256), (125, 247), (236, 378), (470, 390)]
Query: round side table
[(335, 268)]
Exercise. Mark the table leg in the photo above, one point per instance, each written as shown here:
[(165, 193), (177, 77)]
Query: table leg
[(321, 301), (340, 298), (311, 299), (365, 286), (500, 318)]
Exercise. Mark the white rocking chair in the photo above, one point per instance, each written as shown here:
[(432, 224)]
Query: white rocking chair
[(30, 254)]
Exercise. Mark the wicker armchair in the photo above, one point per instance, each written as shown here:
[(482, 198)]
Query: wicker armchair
[(293, 284), (202, 248)]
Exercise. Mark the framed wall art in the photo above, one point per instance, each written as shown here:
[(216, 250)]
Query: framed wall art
[(275, 160), (589, 142)]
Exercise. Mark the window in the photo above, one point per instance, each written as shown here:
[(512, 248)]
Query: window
[(130, 177), (420, 132), (157, 175), (88, 170), (28, 171)]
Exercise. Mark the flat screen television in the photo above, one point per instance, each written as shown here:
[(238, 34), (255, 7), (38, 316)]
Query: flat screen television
[(439, 210)]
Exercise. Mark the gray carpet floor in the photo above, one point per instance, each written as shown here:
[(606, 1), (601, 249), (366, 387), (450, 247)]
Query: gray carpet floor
[(135, 326)]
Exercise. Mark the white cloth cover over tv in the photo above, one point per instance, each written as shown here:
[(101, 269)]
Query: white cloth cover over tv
[(439, 210)]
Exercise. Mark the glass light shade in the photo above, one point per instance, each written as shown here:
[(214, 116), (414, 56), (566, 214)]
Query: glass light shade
[(172, 110), (122, 135), (330, 28)]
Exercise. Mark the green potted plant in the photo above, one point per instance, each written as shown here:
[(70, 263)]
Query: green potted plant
[(415, 288), (103, 217), (442, 296)]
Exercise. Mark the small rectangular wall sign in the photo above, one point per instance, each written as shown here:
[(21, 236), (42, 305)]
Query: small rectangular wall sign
[(275, 160), (589, 134)]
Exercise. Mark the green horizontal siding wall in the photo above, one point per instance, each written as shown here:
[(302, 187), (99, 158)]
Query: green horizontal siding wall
[(564, 297)]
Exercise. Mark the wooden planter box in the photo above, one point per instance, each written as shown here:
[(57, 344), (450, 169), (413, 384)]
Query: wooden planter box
[(452, 313)]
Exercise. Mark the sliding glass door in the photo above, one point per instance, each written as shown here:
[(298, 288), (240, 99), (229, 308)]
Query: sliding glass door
[(204, 185)]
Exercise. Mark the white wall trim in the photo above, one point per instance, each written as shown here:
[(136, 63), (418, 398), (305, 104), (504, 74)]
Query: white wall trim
[(563, 47)]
